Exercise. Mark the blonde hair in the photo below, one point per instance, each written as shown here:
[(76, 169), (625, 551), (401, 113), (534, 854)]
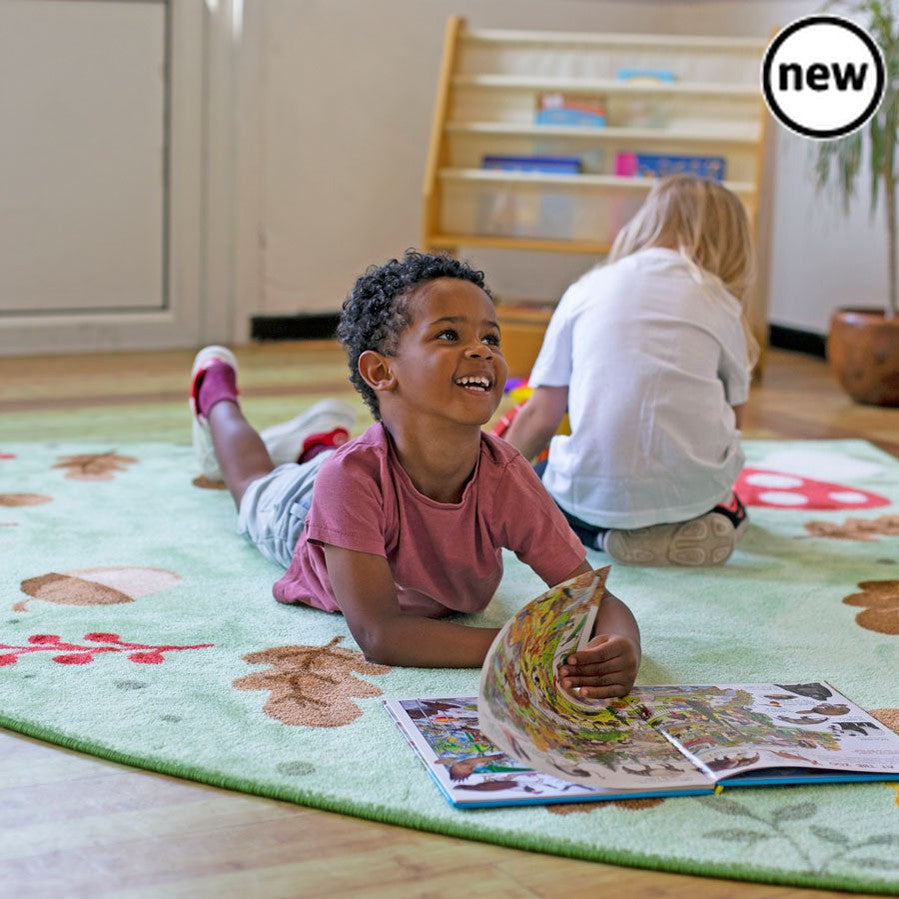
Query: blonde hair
[(707, 224)]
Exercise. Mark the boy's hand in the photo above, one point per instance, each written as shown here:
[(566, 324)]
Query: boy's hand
[(604, 668)]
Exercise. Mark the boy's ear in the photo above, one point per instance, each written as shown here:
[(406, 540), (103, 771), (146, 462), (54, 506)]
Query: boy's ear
[(375, 370)]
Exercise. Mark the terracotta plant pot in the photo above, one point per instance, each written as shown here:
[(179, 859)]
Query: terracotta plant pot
[(863, 350)]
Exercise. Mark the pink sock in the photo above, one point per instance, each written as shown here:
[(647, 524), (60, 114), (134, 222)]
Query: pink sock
[(219, 382)]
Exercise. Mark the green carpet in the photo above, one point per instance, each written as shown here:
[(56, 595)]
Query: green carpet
[(137, 626)]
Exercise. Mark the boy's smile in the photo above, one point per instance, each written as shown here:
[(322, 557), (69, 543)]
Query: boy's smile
[(448, 361)]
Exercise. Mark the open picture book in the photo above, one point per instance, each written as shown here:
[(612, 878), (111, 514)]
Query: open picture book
[(524, 740)]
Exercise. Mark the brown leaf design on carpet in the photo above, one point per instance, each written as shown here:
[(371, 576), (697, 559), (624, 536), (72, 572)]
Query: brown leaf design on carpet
[(880, 601), (633, 805), (14, 500), (95, 466), (863, 529), (205, 483), (313, 686), (96, 586)]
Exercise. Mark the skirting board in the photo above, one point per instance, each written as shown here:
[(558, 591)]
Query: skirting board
[(799, 341), (322, 326)]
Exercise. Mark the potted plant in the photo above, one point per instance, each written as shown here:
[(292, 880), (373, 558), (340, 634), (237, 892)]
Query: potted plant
[(863, 344)]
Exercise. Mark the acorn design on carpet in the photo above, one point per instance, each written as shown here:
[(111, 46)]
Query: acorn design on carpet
[(312, 686), (96, 586)]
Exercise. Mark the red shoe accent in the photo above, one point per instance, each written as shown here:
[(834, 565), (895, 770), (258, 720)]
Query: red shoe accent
[(316, 443), (734, 510)]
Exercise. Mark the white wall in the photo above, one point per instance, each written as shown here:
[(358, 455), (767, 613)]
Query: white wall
[(301, 162), (820, 258), (348, 92), (342, 128)]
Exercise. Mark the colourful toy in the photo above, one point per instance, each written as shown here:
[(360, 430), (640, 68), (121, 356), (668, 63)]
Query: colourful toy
[(520, 391)]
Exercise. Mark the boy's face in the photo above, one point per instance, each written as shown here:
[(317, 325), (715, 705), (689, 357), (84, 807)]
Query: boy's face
[(448, 361)]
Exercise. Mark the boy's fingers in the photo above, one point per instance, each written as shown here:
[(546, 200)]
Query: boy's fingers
[(584, 661), (598, 679), (600, 649), (594, 669), (605, 692)]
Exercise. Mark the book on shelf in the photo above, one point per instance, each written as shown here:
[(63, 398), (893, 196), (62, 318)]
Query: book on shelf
[(578, 110), (524, 740), (504, 211), (559, 165), (657, 165), (642, 111), (646, 76)]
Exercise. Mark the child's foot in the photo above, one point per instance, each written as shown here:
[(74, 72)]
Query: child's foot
[(200, 401), (707, 540), (325, 425)]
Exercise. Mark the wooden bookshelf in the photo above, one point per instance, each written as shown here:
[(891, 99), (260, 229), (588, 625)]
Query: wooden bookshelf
[(491, 82)]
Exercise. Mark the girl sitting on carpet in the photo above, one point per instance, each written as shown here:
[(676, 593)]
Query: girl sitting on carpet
[(406, 523), (650, 355)]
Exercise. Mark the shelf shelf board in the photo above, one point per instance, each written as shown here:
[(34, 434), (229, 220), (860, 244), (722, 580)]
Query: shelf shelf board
[(568, 40), (725, 90), (576, 182), (740, 136), (449, 241)]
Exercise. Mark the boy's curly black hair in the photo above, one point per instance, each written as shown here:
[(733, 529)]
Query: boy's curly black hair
[(376, 310)]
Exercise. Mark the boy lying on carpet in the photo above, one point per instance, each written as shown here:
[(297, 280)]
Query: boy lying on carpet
[(405, 523), (659, 333)]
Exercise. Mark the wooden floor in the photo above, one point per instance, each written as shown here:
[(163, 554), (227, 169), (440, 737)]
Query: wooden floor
[(73, 825)]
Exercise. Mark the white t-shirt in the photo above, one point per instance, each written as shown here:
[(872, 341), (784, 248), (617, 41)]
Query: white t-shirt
[(654, 357)]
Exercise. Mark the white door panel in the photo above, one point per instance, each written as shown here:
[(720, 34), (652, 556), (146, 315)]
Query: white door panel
[(101, 116)]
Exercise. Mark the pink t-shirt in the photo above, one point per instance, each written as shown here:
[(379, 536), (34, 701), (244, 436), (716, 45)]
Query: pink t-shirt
[(445, 557)]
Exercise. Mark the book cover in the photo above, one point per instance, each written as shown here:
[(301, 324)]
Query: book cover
[(646, 76), (649, 110), (471, 772), (570, 109), (562, 165), (672, 733), (657, 165), (524, 740)]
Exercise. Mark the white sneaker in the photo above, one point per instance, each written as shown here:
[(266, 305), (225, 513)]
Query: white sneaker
[(707, 540), (204, 451), (285, 441)]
